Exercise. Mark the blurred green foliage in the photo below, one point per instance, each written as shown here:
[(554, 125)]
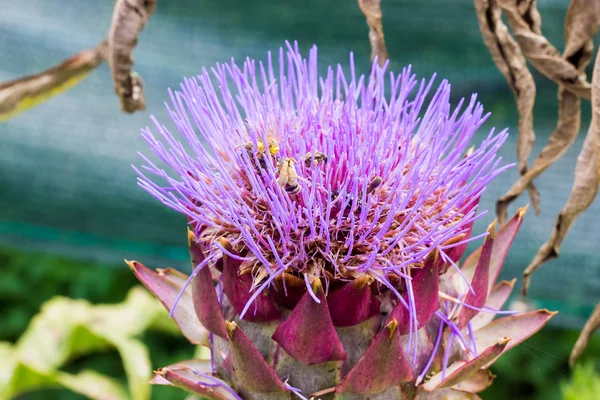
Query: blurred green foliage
[(31, 279), (535, 370), (66, 329), (584, 384)]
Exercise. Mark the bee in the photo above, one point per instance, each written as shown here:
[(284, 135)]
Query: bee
[(288, 177), (358, 204), (317, 156), (248, 146), (374, 184), (272, 146)]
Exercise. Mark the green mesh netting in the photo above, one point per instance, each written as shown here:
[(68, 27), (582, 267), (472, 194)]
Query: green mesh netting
[(65, 180)]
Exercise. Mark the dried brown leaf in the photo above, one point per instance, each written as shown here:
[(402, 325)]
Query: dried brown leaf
[(128, 20), (592, 324), (578, 52), (539, 51), (528, 11), (372, 11), (581, 25), (512, 64), (585, 186), (23, 93), (569, 119)]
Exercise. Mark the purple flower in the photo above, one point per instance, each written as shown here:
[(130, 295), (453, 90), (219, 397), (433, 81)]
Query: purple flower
[(321, 205)]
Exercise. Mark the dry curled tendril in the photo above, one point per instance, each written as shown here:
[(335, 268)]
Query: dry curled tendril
[(372, 11), (129, 18), (588, 330), (567, 70)]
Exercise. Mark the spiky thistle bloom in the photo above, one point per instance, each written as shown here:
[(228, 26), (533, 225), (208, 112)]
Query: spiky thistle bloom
[(328, 215)]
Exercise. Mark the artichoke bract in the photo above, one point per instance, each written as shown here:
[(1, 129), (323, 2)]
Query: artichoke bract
[(327, 218)]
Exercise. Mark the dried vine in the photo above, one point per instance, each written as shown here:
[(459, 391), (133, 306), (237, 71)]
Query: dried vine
[(129, 18), (567, 70), (510, 61), (586, 333), (20, 94), (372, 11)]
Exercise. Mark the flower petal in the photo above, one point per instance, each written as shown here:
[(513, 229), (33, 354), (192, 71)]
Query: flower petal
[(479, 283), (457, 252), (498, 296), (502, 243), (204, 296), (425, 286), (237, 285), (358, 338), (260, 336), (461, 370), (426, 338), (516, 327), (382, 366), (194, 376), (308, 335), (445, 394), (287, 290), (206, 304), (478, 382), (166, 285), (353, 303), (251, 370)]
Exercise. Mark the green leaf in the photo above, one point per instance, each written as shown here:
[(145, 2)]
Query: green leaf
[(92, 385), (66, 329), (584, 384)]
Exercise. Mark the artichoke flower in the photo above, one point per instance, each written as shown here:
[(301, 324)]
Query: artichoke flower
[(327, 217)]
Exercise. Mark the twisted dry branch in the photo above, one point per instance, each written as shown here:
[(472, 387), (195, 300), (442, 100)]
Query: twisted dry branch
[(585, 185), (578, 52), (23, 93), (509, 59), (568, 71), (592, 324), (129, 18), (538, 50), (372, 11)]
